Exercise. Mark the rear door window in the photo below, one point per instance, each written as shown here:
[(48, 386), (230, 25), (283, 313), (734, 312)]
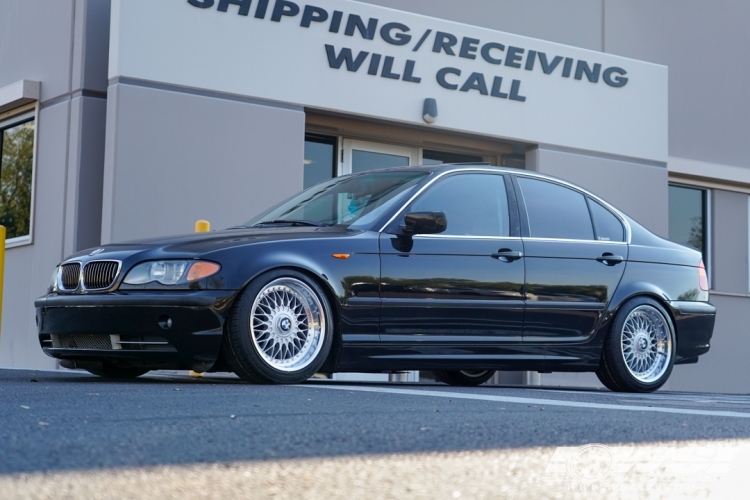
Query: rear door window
[(555, 211)]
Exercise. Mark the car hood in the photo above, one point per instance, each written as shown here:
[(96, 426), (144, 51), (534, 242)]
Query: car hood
[(189, 246)]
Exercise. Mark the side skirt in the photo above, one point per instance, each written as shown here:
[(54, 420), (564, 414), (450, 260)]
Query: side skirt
[(380, 357)]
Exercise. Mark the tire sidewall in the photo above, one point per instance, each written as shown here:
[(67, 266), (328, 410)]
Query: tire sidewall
[(616, 345), (248, 347)]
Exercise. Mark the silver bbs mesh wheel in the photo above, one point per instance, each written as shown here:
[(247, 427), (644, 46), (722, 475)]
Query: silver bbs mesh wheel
[(287, 324), (646, 342)]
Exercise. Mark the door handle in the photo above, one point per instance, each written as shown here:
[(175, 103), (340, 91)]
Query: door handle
[(507, 255), (610, 259)]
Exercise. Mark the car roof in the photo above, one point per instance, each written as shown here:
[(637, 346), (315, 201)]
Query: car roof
[(458, 167)]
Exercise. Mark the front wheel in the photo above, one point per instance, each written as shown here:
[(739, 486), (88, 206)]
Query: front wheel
[(464, 377), (280, 330), (639, 351)]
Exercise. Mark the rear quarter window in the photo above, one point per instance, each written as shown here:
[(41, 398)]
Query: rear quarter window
[(607, 227)]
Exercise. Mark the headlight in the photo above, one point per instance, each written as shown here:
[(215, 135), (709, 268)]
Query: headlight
[(53, 281), (171, 272)]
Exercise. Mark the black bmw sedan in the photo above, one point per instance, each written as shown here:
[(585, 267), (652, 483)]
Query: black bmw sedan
[(458, 269)]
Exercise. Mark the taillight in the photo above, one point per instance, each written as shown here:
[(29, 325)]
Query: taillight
[(702, 277)]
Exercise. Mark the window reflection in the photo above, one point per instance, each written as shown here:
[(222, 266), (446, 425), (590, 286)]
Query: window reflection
[(320, 153), (346, 201), (16, 165), (687, 216), (363, 161), (430, 157)]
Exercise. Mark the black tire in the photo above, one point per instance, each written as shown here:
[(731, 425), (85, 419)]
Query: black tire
[(614, 372), (243, 347), (108, 370), (464, 377), (607, 379)]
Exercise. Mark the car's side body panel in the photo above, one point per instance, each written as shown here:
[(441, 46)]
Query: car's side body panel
[(567, 289), (445, 290)]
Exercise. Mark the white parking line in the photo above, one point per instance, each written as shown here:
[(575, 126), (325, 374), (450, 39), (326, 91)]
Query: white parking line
[(529, 401)]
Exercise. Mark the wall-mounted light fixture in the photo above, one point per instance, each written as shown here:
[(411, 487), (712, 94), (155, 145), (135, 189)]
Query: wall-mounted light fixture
[(430, 111)]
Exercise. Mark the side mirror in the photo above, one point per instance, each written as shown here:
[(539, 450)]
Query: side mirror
[(424, 223)]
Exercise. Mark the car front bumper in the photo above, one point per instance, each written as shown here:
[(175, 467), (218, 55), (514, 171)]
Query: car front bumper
[(167, 330)]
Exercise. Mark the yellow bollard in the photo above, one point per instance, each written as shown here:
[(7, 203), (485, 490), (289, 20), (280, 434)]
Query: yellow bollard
[(201, 226), (2, 271)]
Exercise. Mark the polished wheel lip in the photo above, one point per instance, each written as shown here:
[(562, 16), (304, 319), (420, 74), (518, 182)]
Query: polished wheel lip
[(473, 373), (646, 344), (287, 325)]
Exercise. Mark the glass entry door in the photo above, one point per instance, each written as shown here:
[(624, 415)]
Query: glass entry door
[(360, 156)]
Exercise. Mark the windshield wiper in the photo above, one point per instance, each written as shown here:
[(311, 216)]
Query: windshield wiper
[(293, 222)]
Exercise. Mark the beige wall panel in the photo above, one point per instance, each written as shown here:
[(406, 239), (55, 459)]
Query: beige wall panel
[(704, 44), (28, 268), (174, 158), (36, 41), (535, 18)]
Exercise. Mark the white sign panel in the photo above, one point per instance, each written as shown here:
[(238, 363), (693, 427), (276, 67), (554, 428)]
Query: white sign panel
[(376, 62)]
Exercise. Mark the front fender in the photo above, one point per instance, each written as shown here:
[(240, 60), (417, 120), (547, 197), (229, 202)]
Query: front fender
[(353, 283), (356, 276)]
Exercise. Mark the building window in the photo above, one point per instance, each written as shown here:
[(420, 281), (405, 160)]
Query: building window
[(688, 209), (16, 175), (320, 159), (430, 157)]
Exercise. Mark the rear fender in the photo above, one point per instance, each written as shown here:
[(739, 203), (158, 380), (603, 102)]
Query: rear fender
[(626, 291)]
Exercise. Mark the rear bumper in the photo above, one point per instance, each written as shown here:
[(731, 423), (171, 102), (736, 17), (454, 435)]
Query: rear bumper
[(694, 322), (170, 330)]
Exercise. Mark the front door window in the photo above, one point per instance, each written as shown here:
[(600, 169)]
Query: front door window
[(474, 204)]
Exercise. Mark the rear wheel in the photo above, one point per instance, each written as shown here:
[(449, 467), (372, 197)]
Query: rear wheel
[(639, 351), (464, 377), (280, 329), (108, 370)]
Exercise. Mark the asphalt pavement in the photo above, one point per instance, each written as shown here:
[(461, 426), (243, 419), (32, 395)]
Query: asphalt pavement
[(69, 434)]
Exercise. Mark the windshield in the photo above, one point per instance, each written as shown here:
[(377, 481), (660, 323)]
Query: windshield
[(351, 201)]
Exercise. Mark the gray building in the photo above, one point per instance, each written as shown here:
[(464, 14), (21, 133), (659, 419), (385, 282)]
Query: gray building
[(125, 119)]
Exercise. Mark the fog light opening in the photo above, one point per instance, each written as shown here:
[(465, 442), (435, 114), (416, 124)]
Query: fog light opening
[(165, 322)]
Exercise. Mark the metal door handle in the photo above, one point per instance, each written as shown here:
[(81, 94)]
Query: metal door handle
[(610, 259), (507, 255)]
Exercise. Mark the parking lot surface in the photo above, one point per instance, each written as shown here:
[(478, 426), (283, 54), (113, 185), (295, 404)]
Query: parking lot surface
[(70, 435)]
